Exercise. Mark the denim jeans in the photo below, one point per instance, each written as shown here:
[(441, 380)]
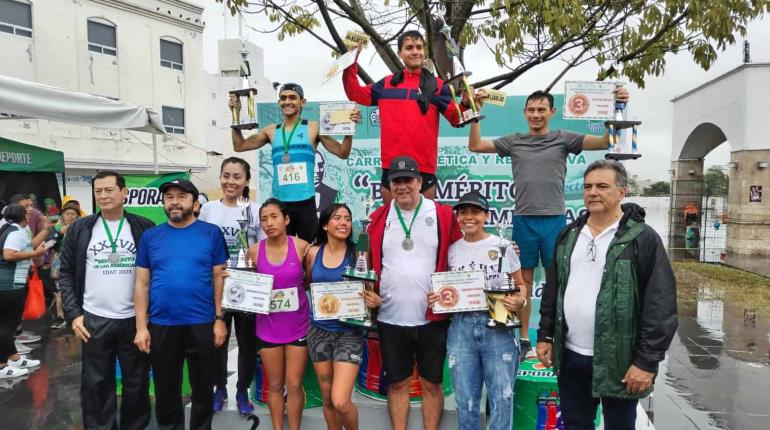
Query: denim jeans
[(480, 355), (578, 405)]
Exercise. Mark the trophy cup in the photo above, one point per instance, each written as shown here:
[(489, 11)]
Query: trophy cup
[(499, 317), (617, 150), (245, 92), (243, 235), (460, 77), (361, 271)]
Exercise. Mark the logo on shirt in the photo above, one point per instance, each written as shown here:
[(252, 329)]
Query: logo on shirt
[(429, 221), (387, 225), (374, 117), (493, 254)]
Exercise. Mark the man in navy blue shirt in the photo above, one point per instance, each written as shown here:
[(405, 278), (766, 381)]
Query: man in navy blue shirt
[(179, 281)]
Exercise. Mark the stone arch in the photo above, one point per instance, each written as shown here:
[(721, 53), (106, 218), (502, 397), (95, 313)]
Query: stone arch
[(702, 139)]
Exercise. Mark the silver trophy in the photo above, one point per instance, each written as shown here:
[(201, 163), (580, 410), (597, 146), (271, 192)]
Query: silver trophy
[(499, 317), (243, 234), (361, 271)]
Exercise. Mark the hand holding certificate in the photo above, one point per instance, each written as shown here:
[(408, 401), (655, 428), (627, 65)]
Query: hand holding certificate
[(459, 291), (247, 291), (335, 300)]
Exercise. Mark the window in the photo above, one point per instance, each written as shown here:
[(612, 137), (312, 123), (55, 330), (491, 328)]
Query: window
[(171, 54), (16, 18), (173, 120), (101, 38)]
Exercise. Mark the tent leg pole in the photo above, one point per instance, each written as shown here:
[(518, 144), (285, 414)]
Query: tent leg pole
[(155, 151)]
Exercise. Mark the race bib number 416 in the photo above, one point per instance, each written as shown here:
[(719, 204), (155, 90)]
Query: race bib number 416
[(285, 300), (292, 174)]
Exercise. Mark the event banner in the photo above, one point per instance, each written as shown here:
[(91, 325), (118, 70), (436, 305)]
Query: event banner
[(459, 170), (144, 198)]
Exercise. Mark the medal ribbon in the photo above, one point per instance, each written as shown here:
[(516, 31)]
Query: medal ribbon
[(113, 242), (408, 231), (283, 132)]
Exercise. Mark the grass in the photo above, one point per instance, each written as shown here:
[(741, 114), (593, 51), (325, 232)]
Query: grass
[(711, 281)]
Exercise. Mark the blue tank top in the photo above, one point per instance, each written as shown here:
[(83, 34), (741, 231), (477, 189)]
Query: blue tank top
[(300, 151), (321, 273)]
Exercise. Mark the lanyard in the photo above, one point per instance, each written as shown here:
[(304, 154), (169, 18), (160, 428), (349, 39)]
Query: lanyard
[(283, 132), (408, 231), (113, 242)]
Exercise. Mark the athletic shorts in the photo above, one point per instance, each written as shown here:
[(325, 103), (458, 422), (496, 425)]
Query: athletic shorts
[(303, 219), (265, 344), (343, 346), (404, 346), (536, 237), (428, 180)]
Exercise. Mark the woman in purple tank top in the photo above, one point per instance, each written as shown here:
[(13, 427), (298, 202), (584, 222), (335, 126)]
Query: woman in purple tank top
[(283, 333)]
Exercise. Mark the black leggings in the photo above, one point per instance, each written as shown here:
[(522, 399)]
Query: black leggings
[(245, 324), (303, 219), (11, 309)]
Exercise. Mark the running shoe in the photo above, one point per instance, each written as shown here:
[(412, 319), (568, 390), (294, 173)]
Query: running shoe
[(12, 372), (23, 363), (220, 397), (27, 337), (58, 323), (245, 408), (23, 349)]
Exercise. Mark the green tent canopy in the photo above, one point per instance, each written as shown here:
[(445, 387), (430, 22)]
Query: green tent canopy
[(20, 157)]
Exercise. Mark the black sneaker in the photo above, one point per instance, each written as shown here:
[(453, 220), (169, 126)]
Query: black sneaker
[(526, 348), (58, 323)]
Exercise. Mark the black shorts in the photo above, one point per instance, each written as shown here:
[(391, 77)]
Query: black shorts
[(428, 180), (265, 344), (303, 219), (403, 346), (340, 346)]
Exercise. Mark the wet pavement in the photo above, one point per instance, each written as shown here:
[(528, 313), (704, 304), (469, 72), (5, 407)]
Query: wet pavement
[(716, 375)]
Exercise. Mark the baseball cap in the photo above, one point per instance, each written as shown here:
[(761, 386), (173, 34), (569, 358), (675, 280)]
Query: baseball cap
[(291, 86), (473, 198), (182, 184), (403, 167)]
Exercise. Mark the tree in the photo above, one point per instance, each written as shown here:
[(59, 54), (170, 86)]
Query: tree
[(660, 188), (625, 38), (715, 182)]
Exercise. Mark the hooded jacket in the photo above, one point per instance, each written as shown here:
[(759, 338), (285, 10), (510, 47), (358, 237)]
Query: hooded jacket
[(448, 233), (636, 315)]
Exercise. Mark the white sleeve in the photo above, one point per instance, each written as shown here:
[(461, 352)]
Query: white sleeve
[(205, 209), (16, 240)]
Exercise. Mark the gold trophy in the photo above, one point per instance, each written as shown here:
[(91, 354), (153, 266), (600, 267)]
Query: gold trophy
[(460, 78), (617, 150), (361, 271), (499, 317), (250, 122)]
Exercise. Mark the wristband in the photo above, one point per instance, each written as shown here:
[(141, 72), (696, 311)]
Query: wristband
[(219, 318)]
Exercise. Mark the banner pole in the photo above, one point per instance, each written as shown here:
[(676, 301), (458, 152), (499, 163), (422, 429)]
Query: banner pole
[(155, 150)]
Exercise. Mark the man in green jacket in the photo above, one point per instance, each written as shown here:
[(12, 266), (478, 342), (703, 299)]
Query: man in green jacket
[(608, 312)]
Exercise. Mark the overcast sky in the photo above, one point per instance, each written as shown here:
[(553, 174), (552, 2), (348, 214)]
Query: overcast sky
[(303, 59)]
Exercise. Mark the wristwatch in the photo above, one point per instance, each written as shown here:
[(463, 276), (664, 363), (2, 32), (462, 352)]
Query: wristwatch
[(219, 317)]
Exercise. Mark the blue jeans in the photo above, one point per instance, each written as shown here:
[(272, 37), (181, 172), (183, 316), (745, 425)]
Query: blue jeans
[(578, 405), (480, 355)]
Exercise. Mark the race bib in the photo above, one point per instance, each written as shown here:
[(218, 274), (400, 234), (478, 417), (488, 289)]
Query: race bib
[(292, 174), (285, 300)]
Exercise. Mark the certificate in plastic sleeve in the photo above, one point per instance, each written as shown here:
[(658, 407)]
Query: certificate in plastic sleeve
[(459, 291), (247, 291), (335, 300)]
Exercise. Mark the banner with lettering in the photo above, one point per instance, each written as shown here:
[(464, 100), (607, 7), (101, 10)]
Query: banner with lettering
[(144, 198)]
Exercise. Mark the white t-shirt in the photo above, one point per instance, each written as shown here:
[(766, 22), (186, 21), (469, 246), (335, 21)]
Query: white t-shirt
[(226, 217), (483, 255), (109, 289), (585, 278), (20, 241), (405, 279)]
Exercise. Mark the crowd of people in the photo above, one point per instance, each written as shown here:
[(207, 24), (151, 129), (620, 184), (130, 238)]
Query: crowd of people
[(151, 296)]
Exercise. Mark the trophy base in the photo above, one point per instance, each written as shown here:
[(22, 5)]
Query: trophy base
[(364, 324), (620, 125), (472, 119), (352, 275), (458, 77), (245, 126), (503, 326), (621, 156), (243, 92)]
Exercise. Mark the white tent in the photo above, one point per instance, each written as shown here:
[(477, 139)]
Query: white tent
[(25, 99)]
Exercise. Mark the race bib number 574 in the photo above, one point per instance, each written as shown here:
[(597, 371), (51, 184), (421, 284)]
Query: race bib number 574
[(285, 300)]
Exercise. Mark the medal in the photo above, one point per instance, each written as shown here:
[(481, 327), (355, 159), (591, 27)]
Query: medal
[(407, 244), (114, 258), (286, 158)]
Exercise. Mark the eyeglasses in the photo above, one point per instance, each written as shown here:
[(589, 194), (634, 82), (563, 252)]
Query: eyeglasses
[(591, 251)]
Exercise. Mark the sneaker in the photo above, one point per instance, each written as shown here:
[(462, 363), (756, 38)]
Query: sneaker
[(10, 371), (23, 363), (245, 408), (58, 323), (23, 349), (26, 337), (220, 397)]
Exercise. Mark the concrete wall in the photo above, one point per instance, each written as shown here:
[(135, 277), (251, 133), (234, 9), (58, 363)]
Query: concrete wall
[(57, 54), (749, 222)]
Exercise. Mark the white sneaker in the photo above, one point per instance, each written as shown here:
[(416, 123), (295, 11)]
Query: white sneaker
[(26, 337), (23, 363), (23, 349), (12, 372)]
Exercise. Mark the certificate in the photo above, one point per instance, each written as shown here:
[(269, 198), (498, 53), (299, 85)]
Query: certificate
[(589, 100), (459, 291), (247, 291), (343, 62), (335, 119), (335, 300)]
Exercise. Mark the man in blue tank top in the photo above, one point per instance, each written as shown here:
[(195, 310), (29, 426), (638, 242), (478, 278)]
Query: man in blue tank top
[(294, 143)]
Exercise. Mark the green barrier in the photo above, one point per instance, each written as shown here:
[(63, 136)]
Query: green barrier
[(259, 386)]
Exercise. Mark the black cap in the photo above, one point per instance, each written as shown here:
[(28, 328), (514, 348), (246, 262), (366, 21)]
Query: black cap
[(403, 167), (473, 198), (182, 184), (291, 86)]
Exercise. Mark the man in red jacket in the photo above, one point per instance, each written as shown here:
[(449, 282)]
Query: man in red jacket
[(409, 240), (410, 102)]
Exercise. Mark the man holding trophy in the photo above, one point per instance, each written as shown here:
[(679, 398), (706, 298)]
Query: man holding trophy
[(480, 354)]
